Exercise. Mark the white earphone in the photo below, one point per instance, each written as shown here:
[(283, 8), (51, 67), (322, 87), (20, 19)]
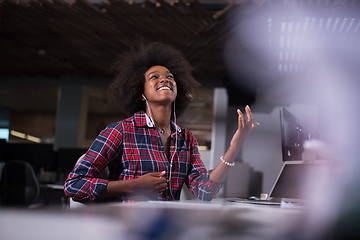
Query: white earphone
[(172, 157)]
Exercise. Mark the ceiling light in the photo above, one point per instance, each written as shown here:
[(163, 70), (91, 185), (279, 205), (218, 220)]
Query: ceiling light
[(18, 134), (25, 136), (33, 139)]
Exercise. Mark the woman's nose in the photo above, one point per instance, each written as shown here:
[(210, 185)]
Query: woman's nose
[(164, 79)]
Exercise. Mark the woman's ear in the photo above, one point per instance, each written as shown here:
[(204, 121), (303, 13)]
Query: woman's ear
[(143, 97)]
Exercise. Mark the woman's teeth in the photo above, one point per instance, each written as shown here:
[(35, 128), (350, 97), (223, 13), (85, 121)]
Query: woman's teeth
[(164, 88)]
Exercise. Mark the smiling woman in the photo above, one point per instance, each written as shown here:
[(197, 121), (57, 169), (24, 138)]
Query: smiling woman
[(133, 66), (149, 156), (160, 84)]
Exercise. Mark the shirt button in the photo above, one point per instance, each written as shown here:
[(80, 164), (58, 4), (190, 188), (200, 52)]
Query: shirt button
[(167, 180)]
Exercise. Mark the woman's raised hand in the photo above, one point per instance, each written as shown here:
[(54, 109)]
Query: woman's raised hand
[(245, 126)]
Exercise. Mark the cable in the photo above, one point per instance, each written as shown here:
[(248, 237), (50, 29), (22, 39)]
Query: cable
[(147, 104), (172, 157)]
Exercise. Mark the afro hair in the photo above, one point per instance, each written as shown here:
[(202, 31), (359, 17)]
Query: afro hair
[(129, 76)]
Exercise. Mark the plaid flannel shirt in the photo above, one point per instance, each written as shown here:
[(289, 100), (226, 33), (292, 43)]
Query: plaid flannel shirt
[(133, 147)]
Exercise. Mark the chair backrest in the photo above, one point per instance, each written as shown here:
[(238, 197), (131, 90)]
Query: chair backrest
[(19, 185)]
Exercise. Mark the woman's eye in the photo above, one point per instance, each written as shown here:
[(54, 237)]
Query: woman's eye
[(154, 77), (171, 77)]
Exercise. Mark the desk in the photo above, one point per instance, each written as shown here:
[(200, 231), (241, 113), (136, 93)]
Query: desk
[(154, 220)]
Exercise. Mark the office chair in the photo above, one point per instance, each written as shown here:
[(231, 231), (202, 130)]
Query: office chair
[(19, 185)]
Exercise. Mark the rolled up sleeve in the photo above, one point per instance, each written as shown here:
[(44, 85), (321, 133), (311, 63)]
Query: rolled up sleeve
[(82, 183), (199, 182)]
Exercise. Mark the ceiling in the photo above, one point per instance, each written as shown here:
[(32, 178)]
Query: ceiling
[(57, 42), (46, 44), (57, 38), (243, 46)]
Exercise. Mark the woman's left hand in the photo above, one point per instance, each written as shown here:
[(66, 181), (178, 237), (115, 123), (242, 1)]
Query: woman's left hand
[(245, 126)]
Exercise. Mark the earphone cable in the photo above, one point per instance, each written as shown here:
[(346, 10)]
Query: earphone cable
[(172, 157)]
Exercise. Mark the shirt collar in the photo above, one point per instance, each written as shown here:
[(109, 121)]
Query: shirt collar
[(176, 126), (142, 119), (149, 123)]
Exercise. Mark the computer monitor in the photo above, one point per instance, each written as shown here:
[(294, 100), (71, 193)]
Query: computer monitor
[(289, 183), (293, 136), (4, 134), (38, 155), (295, 178)]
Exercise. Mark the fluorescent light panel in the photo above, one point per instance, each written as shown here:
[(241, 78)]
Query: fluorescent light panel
[(25, 136), (293, 36)]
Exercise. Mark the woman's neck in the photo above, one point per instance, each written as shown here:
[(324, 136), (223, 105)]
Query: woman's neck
[(160, 114)]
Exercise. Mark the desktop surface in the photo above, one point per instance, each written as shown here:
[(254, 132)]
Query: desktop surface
[(217, 219)]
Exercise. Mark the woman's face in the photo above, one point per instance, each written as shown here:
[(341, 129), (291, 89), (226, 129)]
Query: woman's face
[(160, 85)]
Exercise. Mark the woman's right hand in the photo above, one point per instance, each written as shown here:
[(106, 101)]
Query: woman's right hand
[(153, 181), (145, 184)]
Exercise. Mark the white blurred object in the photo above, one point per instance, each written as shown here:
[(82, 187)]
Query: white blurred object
[(18, 225), (319, 148)]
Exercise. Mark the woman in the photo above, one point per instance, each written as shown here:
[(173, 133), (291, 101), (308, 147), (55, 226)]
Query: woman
[(148, 155)]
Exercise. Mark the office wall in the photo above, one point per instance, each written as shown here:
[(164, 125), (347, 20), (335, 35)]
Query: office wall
[(4, 117), (36, 123), (262, 149)]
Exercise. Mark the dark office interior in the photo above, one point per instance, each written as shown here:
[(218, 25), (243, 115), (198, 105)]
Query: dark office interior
[(54, 54)]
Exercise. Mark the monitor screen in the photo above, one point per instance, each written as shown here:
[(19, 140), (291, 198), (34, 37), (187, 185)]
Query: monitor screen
[(38, 155), (4, 133), (292, 136)]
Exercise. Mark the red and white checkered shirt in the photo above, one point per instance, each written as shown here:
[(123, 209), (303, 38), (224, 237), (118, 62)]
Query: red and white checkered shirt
[(133, 147)]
